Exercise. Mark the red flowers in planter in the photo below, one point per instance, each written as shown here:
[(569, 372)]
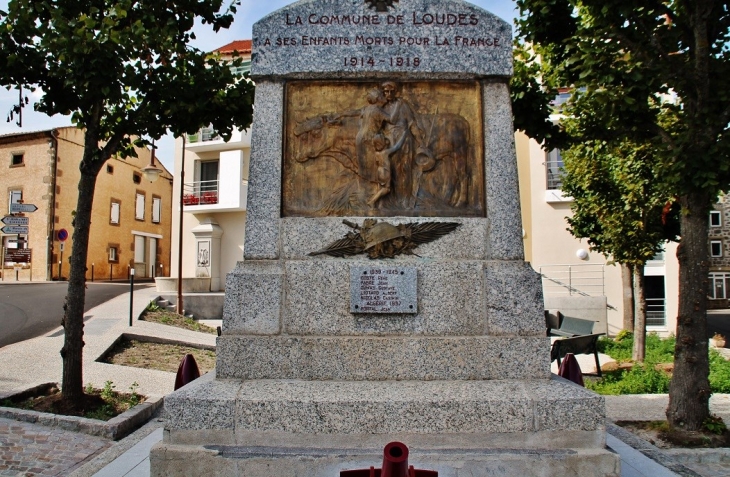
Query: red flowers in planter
[(190, 199), (202, 199), (209, 198)]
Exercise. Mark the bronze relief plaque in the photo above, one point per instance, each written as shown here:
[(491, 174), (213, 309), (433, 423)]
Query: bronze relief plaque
[(383, 149)]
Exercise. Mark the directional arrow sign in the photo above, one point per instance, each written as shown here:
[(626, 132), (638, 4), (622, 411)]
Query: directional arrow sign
[(22, 208), (13, 229), (7, 220)]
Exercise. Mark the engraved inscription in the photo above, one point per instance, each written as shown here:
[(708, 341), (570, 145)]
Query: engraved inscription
[(383, 290), (436, 35)]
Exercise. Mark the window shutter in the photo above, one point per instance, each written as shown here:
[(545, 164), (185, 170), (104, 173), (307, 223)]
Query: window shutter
[(114, 219), (156, 209), (139, 207)]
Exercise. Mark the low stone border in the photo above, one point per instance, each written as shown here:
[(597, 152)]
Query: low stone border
[(700, 456), (114, 429), (149, 339), (660, 456)]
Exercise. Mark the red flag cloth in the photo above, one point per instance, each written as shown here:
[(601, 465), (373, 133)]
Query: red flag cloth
[(187, 371), (570, 369)]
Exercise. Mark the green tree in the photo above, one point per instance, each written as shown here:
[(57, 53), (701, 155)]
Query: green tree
[(618, 203), (124, 70), (651, 50)]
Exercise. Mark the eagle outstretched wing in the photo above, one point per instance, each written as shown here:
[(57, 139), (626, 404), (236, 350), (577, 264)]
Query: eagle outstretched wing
[(383, 240), (352, 244), (429, 231)]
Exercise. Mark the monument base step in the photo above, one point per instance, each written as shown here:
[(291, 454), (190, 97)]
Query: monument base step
[(179, 460), (263, 428)]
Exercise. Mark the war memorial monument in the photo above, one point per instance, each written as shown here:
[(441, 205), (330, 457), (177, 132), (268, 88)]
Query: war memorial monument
[(383, 294)]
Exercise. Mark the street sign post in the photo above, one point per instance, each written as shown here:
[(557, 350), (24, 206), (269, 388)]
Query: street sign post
[(22, 208), (10, 220), (14, 229)]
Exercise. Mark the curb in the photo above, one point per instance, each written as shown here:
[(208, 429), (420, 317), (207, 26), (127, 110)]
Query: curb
[(660, 456), (700, 456), (114, 429)]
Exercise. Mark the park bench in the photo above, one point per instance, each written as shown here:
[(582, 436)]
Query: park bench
[(585, 344), (577, 337)]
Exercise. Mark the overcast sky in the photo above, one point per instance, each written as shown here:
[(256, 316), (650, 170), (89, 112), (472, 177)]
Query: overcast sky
[(248, 13)]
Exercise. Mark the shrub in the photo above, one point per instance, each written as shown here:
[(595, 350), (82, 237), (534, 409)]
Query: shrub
[(641, 379), (658, 350)]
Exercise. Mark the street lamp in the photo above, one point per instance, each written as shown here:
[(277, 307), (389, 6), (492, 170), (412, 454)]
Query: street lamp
[(151, 171), (179, 304)]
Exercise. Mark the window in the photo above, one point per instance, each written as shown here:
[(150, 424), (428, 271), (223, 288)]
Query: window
[(715, 248), (139, 207), (156, 209), (554, 168), (114, 216), (136, 178), (113, 254), (16, 159), (719, 285), (715, 218), (109, 169)]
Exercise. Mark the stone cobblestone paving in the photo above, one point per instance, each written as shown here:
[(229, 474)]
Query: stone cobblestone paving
[(30, 449)]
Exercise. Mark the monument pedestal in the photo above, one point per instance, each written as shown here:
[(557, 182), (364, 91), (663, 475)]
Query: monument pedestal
[(318, 428), (397, 115)]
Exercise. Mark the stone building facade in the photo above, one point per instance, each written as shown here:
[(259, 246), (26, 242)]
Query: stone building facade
[(719, 246), (131, 218)]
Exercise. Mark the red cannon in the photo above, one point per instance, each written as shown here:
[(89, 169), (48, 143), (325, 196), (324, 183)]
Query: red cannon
[(395, 464)]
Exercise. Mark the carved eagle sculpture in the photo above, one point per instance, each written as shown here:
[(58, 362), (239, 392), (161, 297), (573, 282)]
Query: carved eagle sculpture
[(384, 240)]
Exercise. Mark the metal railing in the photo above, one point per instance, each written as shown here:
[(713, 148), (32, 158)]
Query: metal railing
[(200, 193), (656, 312), (554, 169), (581, 279), (585, 280)]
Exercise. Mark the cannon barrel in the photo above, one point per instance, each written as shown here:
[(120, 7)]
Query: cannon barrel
[(395, 460), (395, 464)]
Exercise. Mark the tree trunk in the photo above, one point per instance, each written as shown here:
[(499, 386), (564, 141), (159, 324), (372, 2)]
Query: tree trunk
[(689, 390), (73, 320), (639, 350), (628, 296)]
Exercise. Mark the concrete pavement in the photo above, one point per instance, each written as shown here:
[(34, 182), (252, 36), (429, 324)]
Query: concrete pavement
[(30, 449)]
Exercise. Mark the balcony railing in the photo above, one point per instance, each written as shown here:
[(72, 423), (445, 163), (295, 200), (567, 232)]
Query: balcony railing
[(200, 193), (655, 312), (204, 135)]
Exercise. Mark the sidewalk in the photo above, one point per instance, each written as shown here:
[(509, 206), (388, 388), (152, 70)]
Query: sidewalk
[(31, 449)]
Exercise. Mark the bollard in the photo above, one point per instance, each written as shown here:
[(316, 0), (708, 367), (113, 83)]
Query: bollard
[(395, 464), (131, 295), (92, 272), (16, 274), (128, 271), (59, 271), (111, 270)]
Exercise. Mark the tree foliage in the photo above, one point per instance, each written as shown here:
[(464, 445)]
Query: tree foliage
[(656, 73), (126, 73)]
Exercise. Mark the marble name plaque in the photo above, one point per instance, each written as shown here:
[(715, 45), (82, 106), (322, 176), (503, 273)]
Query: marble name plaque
[(383, 289)]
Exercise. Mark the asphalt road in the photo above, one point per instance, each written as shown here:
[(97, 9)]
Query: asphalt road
[(28, 310)]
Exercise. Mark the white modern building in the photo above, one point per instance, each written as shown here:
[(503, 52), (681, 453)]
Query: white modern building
[(213, 175)]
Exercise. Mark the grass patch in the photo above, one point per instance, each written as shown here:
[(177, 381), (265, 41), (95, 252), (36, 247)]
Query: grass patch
[(101, 404), (156, 314), (160, 356), (652, 376)]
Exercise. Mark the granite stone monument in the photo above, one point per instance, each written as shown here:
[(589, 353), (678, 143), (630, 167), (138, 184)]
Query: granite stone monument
[(383, 295)]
